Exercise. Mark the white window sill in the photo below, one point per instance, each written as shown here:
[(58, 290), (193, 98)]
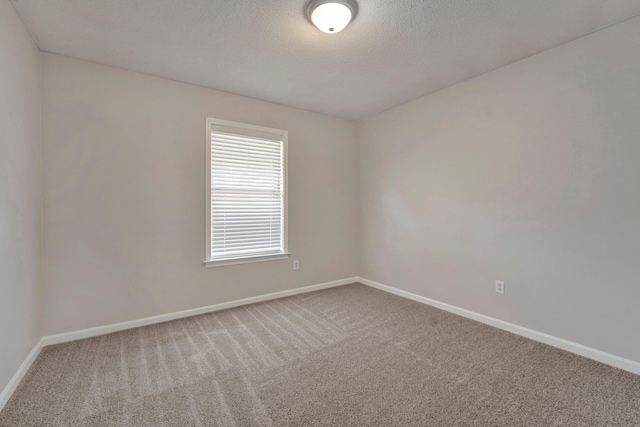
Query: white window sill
[(245, 260)]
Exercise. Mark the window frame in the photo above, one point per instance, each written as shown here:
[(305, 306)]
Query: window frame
[(284, 136)]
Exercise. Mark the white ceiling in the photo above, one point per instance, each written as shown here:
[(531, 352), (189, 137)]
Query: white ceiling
[(394, 51)]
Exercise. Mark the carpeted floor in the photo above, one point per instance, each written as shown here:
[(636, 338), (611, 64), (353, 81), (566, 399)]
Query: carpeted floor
[(347, 356)]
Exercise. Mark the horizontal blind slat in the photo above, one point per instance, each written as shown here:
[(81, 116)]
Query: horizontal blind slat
[(234, 148), (246, 211), (245, 139), (235, 236), (246, 243), (229, 173), (249, 183), (230, 160), (245, 219), (239, 222), (221, 214), (245, 191), (235, 142), (247, 253), (242, 156), (218, 203), (243, 247), (249, 228)]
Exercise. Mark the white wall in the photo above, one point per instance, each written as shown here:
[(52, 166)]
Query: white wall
[(529, 174), (19, 193), (124, 196)]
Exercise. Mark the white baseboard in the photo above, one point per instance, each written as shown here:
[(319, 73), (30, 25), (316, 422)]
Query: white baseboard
[(5, 395), (107, 329), (572, 347)]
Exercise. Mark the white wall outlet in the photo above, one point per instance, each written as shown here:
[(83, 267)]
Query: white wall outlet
[(500, 286), (296, 265)]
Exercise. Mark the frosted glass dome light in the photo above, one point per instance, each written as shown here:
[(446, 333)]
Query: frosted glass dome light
[(331, 16)]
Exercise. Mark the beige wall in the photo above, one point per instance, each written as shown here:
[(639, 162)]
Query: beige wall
[(19, 193), (124, 204), (529, 174)]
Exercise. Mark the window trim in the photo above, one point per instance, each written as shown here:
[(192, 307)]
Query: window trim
[(284, 135)]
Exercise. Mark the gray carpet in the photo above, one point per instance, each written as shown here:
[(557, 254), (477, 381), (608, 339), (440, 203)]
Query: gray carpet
[(347, 356)]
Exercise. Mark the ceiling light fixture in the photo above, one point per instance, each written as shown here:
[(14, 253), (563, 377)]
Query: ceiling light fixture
[(331, 16)]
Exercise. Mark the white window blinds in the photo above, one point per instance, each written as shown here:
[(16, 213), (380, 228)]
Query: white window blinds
[(248, 198)]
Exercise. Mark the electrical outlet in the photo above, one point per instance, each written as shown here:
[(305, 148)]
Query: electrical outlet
[(500, 286), (296, 265)]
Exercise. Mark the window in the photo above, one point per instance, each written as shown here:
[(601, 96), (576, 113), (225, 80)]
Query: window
[(246, 193)]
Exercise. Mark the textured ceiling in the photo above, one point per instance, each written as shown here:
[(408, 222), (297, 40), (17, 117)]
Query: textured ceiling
[(394, 51)]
